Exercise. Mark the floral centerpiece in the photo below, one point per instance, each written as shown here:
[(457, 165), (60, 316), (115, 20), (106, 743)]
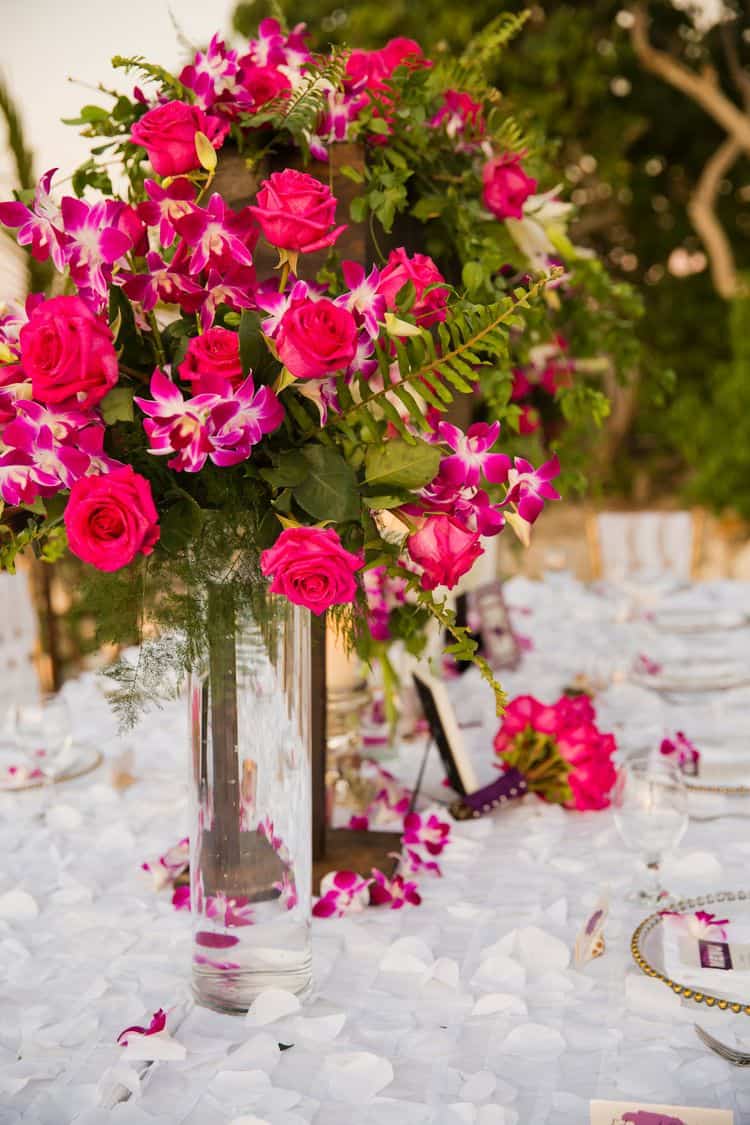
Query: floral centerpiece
[(230, 447)]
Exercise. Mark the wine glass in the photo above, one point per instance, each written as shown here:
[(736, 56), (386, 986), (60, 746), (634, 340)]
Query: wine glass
[(650, 807)]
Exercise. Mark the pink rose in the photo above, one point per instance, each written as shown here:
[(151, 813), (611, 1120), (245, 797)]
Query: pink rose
[(428, 308), (445, 550), (311, 568), (111, 518), (216, 352), (296, 212), (316, 338), (528, 420), (167, 132), (506, 186), (68, 353), (263, 84), (371, 68)]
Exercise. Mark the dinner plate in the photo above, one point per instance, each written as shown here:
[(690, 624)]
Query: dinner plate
[(693, 677), (19, 770), (699, 620), (647, 949)]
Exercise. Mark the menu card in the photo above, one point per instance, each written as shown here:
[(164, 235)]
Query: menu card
[(638, 1113)]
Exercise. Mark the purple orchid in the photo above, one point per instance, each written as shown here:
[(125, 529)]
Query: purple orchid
[(213, 74), (273, 48), (160, 283), (165, 204), (40, 225), (528, 487), (269, 300), (287, 889), (93, 244), (472, 458), (395, 892), (229, 911), (342, 892), (220, 237), (21, 481), (472, 506), (169, 866), (682, 751), (241, 419), (177, 426), (363, 298), (181, 898), (415, 863), (701, 924), (235, 289), (157, 1025), (431, 833)]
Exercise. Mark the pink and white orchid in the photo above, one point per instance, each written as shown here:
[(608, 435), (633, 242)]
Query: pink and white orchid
[(220, 237), (40, 226), (430, 832), (93, 243), (342, 892), (165, 204), (396, 892), (156, 1026), (472, 457), (169, 866), (528, 488), (229, 911)]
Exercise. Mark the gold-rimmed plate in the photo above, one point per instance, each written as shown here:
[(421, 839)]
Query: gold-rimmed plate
[(647, 949), (700, 620), (23, 774)]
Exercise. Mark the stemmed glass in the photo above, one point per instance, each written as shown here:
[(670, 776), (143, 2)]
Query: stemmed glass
[(650, 806)]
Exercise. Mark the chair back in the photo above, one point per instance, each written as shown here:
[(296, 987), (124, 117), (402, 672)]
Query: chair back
[(658, 544)]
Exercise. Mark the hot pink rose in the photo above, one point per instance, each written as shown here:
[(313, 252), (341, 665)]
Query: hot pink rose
[(68, 353), (263, 84), (445, 550), (296, 212), (506, 186), (111, 518), (371, 68), (316, 338), (167, 132), (310, 567), (428, 308), (216, 352)]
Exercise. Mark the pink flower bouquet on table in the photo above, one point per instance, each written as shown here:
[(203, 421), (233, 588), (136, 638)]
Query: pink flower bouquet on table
[(176, 416), (556, 751)]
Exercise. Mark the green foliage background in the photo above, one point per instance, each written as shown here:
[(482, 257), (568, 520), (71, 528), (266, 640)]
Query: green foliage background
[(573, 68)]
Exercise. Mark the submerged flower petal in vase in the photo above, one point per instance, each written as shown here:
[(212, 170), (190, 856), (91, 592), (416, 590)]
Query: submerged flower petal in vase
[(251, 832)]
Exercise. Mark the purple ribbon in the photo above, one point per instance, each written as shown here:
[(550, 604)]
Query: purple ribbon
[(508, 787)]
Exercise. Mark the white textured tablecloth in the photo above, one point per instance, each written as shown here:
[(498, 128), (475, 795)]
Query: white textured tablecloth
[(463, 1010)]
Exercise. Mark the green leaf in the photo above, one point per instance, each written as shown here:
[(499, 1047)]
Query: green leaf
[(379, 126), (88, 115), (117, 405), (329, 492), (352, 173), (378, 502), (180, 524), (399, 465), (358, 209), (472, 275), (254, 353), (289, 470)]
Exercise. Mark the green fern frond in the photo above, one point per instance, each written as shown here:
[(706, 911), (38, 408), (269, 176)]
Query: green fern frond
[(154, 73), (491, 41), (474, 335)]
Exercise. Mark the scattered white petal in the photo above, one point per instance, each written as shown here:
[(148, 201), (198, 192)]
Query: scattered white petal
[(500, 971), (240, 1087), (407, 955), (270, 1005), (534, 1039), (478, 1087), (64, 818), (149, 1048), (261, 1052), (444, 971), (539, 951), (495, 1002), (320, 1029), (356, 1076), (18, 906)]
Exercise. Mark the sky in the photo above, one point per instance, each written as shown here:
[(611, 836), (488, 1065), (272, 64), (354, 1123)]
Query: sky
[(43, 42)]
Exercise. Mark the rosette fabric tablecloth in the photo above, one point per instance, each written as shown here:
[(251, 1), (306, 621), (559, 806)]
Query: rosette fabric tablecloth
[(465, 1009)]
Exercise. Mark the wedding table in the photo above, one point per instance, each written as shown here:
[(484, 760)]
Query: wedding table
[(465, 1009)]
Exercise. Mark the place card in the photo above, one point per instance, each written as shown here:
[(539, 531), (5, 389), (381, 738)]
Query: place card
[(485, 613), (706, 954), (638, 1113), (590, 940)]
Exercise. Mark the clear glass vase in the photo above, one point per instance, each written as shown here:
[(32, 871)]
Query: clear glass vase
[(250, 843)]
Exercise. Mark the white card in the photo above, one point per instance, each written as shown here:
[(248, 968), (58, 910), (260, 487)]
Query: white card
[(639, 1113)]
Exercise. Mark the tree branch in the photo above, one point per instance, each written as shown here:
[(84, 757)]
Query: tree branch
[(702, 212), (702, 89)]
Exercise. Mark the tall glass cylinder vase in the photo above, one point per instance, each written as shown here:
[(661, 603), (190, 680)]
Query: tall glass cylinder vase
[(250, 843)]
